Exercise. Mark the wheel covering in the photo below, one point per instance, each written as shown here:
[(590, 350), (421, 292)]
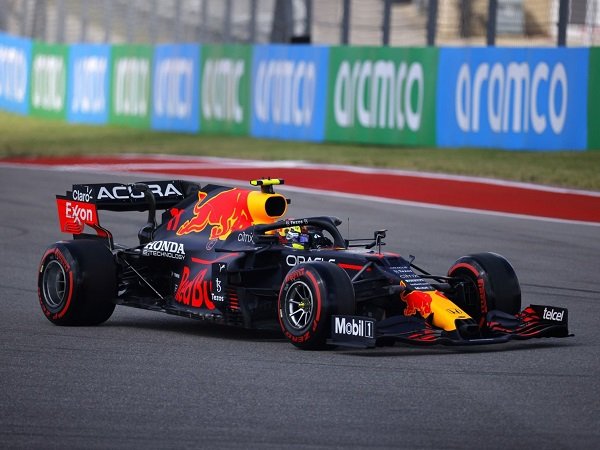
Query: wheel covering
[(77, 283), (494, 283)]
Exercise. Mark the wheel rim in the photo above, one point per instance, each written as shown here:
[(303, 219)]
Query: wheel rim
[(54, 285), (299, 305)]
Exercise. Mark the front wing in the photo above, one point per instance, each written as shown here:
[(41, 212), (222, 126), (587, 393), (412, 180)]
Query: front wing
[(535, 321)]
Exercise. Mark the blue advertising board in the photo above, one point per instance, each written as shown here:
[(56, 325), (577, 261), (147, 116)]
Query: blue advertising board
[(289, 91), (176, 99), (512, 98), (15, 69), (88, 91)]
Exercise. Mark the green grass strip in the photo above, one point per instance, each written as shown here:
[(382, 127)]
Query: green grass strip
[(28, 136)]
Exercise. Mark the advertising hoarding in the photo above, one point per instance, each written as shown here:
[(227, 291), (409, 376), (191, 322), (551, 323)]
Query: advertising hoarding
[(594, 100), (131, 85), (88, 83), (513, 98), (225, 89), (382, 95), (48, 92), (175, 83), (15, 58), (289, 85)]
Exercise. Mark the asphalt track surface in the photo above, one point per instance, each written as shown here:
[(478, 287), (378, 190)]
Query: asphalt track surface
[(149, 380)]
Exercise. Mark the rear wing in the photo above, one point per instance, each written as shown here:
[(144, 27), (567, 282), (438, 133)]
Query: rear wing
[(80, 205), (126, 197)]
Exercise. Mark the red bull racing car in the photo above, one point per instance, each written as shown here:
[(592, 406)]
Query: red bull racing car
[(228, 255)]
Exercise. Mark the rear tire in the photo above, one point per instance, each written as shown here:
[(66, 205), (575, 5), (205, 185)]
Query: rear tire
[(310, 294), (492, 284), (77, 282)]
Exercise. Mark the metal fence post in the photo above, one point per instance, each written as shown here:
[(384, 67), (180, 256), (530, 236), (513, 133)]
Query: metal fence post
[(309, 19), (177, 22), (252, 24), (107, 20), (60, 12), (204, 32), (129, 26), (466, 14), (39, 26), (432, 13), (84, 21), (23, 16), (282, 28), (153, 23), (491, 25), (227, 22), (563, 20), (345, 32), (3, 18), (387, 13)]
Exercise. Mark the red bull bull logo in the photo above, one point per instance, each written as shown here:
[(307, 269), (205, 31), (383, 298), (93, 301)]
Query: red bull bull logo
[(226, 212), (417, 301)]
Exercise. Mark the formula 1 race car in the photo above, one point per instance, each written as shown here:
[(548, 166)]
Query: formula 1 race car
[(226, 254)]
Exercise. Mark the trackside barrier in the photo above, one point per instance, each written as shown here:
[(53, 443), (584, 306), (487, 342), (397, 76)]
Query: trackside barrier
[(88, 83), (594, 100), (511, 98), (175, 93), (88, 86), (225, 89), (289, 85), (15, 70), (131, 84), (382, 95), (48, 93)]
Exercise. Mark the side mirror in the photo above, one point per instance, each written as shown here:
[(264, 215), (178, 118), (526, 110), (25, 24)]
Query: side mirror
[(379, 235)]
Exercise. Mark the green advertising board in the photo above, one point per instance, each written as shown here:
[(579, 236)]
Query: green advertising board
[(382, 95), (131, 85), (593, 113), (47, 97), (225, 89)]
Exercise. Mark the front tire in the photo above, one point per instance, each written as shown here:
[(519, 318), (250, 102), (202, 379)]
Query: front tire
[(490, 284), (310, 294), (77, 282)]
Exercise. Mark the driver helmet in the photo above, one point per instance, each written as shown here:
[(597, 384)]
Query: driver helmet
[(295, 236), (303, 237)]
